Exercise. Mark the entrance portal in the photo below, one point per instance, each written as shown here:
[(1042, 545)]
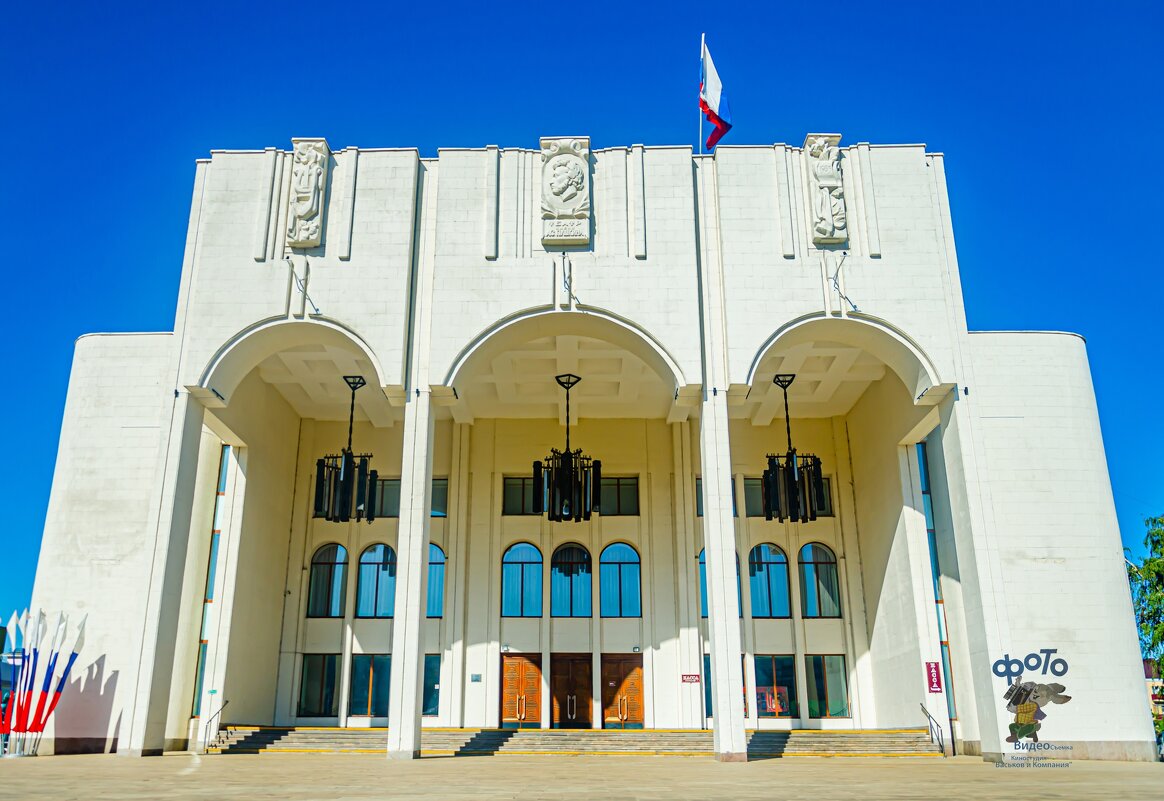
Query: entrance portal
[(572, 690), (521, 691), (622, 691)]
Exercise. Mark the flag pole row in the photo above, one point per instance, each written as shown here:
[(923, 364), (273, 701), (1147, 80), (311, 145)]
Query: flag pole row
[(23, 711)]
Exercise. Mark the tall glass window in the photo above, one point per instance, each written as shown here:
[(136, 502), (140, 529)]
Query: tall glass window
[(376, 582), (776, 686), (768, 581), (703, 584), (620, 581), (430, 699), (369, 690), (211, 576), (570, 584), (521, 581), (820, 594), (317, 698), (827, 685), (923, 461), (327, 588), (436, 581)]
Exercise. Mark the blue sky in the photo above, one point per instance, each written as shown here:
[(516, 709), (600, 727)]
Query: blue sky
[(1048, 115)]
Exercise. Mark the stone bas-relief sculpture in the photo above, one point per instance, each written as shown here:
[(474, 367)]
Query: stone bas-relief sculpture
[(829, 220), (566, 191), (309, 162)]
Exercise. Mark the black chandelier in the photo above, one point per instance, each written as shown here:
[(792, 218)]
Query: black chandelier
[(569, 480), (793, 484), (344, 486)]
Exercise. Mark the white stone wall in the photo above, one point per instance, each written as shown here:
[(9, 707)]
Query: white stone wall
[(1063, 584), (99, 537)]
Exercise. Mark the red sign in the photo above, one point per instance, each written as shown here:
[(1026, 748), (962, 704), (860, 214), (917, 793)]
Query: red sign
[(934, 677), (691, 678)]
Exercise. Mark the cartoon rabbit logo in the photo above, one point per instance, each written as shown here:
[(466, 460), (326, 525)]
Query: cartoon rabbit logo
[(1026, 701)]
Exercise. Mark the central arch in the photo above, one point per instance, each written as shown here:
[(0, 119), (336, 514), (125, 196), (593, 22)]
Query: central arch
[(594, 323), (507, 370)]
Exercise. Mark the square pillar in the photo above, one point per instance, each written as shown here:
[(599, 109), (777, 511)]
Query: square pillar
[(411, 579), (178, 468), (723, 610)]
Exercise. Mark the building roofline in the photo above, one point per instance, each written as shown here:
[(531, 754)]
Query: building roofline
[(1054, 333), (124, 334)]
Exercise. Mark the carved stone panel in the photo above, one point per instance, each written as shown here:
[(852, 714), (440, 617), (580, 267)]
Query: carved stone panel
[(566, 191), (309, 163), (826, 190)]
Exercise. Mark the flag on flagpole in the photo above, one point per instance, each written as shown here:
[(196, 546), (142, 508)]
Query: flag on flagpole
[(713, 99)]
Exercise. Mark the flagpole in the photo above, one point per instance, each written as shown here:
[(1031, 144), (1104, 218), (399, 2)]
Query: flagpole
[(702, 45)]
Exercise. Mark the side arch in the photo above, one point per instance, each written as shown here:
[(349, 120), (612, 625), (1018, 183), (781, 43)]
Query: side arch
[(242, 352), (876, 336)]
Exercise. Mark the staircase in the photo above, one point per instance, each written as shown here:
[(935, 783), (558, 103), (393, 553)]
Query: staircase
[(490, 742)]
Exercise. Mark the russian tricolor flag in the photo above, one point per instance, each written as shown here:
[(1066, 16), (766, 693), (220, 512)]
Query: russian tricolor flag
[(712, 98)]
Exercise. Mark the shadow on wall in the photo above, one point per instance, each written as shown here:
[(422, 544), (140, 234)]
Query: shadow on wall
[(81, 721)]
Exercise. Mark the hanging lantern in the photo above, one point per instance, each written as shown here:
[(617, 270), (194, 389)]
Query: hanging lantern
[(345, 487), (567, 484), (793, 485)]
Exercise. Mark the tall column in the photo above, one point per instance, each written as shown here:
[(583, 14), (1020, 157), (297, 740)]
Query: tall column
[(411, 578), (404, 696), (723, 610)]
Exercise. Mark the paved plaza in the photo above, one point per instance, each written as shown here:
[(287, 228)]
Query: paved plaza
[(336, 777)]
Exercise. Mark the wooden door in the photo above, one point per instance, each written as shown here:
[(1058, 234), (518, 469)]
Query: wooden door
[(570, 691), (521, 691), (622, 691)]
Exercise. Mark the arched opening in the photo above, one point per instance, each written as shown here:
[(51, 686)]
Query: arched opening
[(862, 608), (591, 621), (276, 394)]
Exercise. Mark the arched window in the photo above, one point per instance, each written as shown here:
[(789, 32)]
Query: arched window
[(820, 594), (620, 581), (326, 590), (570, 585), (436, 581), (703, 584), (768, 581), (376, 583), (521, 581)]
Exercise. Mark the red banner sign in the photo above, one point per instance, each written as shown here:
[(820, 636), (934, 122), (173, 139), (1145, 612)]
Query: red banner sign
[(691, 678), (934, 676)]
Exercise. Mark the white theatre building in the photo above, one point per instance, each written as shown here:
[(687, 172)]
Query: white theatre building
[(962, 523)]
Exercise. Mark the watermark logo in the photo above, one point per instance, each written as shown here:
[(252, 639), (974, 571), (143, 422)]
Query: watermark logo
[(1012, 669), (1026, 700)]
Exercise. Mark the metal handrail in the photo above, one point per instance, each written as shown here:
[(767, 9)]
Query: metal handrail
[(935, 729), (206, 731)]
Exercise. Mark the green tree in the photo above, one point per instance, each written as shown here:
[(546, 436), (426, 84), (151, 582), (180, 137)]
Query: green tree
[(1147, 581)]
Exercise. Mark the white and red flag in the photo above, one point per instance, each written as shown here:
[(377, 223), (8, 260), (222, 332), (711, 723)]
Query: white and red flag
[(713, 99)]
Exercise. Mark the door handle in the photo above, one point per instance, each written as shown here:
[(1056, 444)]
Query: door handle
[(622, 715), (569, 707), (521, 707)]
